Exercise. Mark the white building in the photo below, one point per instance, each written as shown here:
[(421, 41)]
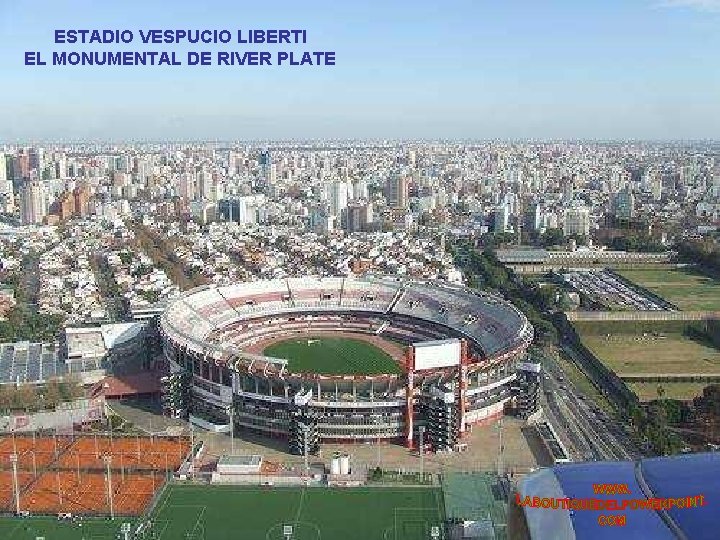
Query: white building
[(577, 221)]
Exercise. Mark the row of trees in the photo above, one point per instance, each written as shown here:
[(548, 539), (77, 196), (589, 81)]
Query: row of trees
[(706, 412), (30, 398), (637, 242), (161, 250), (652, 425), (705, 253), (655, 422), (485, 271)]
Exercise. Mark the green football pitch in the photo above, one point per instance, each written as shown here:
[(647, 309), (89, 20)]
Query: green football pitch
[(220, 512), (332, 356), (186, 512), (50, 528)]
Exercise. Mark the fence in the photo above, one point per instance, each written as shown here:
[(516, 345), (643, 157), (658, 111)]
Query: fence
[(87, 474)]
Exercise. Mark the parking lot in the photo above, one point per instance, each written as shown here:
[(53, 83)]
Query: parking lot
[(611, 292)]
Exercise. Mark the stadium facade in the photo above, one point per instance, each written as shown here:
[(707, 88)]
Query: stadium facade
[(465, 349)]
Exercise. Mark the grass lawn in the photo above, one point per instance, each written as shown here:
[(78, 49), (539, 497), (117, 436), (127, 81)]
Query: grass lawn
[(683, 391), (628, 354), (333, 356), (581, 381), (251, 513), (687, 288)]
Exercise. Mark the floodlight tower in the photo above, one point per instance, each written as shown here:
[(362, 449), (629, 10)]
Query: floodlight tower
[(501, 448), (107, 458), (306, 430), (16, 487), (231, 413), (421, 431)]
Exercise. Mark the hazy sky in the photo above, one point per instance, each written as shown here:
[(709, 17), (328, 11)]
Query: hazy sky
[(410, 69)]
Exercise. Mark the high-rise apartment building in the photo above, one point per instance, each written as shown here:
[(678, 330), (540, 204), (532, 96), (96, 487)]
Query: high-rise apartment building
[(577, 221), (32, 202), (624, 204), (397, 190)]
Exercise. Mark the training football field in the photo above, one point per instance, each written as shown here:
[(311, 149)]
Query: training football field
[(332, 356), (50, 528), (186, 512), (222, 512)]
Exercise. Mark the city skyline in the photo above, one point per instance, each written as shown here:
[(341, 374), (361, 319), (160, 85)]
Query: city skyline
[(640, 70)]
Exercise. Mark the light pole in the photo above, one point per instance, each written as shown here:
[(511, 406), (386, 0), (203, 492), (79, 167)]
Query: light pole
[(192, 449), (231, 412), (377, 444), (16, 488), (421, 431), (59, 487), (107, 458), (500, 454), (305, 447)]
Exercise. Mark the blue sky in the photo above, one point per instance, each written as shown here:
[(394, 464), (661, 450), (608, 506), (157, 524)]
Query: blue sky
[(456, 69)]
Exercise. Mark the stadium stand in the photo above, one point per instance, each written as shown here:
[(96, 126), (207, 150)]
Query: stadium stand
[(210, 336)]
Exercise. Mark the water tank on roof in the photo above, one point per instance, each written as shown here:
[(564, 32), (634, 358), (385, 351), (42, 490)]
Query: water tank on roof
[(335, 466), (345, 464)]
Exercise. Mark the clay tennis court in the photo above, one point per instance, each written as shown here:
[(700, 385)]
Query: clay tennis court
[(6, 487), (156, 453), (86, 493), (32, 452), (66, 474)]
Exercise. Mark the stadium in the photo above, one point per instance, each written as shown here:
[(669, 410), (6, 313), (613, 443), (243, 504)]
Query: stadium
[(344, 359)]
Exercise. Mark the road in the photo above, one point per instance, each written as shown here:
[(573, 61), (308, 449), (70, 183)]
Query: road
[(591, 434)]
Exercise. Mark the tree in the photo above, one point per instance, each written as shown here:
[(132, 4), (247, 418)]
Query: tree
[(125, 257), (70, 388), (53, 395), (6, 397), (552, 237), (26, 397)]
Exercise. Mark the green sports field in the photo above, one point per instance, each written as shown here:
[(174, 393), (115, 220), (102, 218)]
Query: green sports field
[(687, 288), (332, 356), (672, 354), (52, 529), (221, 512), (251, 513)]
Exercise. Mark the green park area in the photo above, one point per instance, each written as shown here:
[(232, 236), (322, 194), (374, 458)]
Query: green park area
[(667, 354), (655, 348), (669, 390)]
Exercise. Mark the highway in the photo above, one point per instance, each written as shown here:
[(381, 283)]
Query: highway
[(588, 432)]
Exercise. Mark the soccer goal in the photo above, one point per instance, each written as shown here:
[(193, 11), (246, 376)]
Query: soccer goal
[(297, 530)]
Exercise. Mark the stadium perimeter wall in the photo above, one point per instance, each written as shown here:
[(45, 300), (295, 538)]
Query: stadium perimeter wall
[(642, 315)]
